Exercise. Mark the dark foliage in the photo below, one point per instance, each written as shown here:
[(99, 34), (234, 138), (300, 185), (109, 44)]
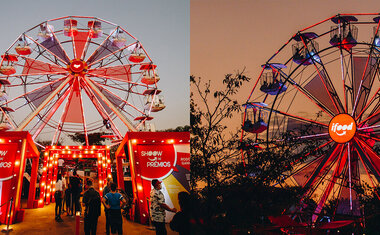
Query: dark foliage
[(93, 138), (213, 146), (185, 128)]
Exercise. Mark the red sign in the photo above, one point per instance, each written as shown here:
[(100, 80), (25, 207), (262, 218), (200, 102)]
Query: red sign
[(183, 159), (156, 161), (7, 160), (342, 128), (7, 181)]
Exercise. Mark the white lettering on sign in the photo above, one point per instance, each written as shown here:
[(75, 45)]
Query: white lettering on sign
[(151, 153), (3, 153), (5, 164), (158, 164), (185, 160), (341, 129)]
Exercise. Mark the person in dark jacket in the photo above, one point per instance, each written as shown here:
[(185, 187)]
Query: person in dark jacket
[(69, 200), (186, 221), (92, 203), (58, 198), (76, 189)]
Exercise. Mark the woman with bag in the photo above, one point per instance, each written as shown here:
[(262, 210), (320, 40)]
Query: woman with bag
[(58, 198)]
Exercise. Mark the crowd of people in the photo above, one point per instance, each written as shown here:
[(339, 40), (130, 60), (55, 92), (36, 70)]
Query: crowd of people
[(69, 190), (67, 195)]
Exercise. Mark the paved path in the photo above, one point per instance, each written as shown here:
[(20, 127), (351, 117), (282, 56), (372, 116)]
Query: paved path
[(41, 221)]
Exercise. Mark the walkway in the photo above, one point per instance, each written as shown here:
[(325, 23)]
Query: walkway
[(41, 221)]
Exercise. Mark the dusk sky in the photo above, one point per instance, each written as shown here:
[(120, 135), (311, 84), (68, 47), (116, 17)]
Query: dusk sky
[(161, 26), (228, 36)]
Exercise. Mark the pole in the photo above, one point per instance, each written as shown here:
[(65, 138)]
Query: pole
[(77, 222), (8, 229)]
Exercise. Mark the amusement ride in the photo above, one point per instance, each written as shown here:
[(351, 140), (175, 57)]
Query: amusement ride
[(76, 75), (65, 76), (323, 85)]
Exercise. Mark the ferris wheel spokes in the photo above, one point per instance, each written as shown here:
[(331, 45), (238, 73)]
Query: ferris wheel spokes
[(307, 94), (102, 110), (46, 118), (109, 104), (42, 105)]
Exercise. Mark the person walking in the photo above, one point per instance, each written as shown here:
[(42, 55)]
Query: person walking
[(114, 201), (106, 190), (158, 207), (76, 189), (58, 198), (69, 200), (92, 203)]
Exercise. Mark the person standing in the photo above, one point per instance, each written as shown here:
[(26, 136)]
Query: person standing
[(69, 200), (112, 201), (64, 187), (106, 190), (91, 201), (76, 189), (158, 207), (58, 198)]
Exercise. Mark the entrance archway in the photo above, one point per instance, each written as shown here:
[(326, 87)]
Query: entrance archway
[(50, 168)]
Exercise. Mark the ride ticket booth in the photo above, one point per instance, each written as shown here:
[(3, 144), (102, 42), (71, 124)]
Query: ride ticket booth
[(154, 155), (15, 148)]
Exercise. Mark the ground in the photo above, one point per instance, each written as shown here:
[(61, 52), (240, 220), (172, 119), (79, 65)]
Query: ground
[(41, 221)]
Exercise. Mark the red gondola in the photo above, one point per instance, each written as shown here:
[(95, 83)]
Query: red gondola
[(70, 27), (95, 28)]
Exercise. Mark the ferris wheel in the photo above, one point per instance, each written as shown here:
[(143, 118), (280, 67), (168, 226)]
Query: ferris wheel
[(78, 75), (323, 86)]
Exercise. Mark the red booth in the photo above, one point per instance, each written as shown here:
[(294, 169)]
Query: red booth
[(154, 155), (15, 148)]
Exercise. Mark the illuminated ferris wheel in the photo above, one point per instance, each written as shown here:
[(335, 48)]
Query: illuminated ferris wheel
[(78, 75), (323, 86)]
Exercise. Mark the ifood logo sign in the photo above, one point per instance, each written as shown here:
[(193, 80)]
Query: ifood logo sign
[(342, 128)]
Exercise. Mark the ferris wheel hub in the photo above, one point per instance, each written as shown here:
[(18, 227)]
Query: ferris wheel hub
[(77, 66), (342, 128)]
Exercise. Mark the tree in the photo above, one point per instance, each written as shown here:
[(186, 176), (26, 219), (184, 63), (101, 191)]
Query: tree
[(93, 138), (185, 128), (213, 145)]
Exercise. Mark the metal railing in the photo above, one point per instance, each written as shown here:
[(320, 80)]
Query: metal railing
[(8, 214)]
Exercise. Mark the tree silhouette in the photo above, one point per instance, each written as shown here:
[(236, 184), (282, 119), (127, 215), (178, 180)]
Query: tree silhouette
[(93, 138), (213, 145)]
